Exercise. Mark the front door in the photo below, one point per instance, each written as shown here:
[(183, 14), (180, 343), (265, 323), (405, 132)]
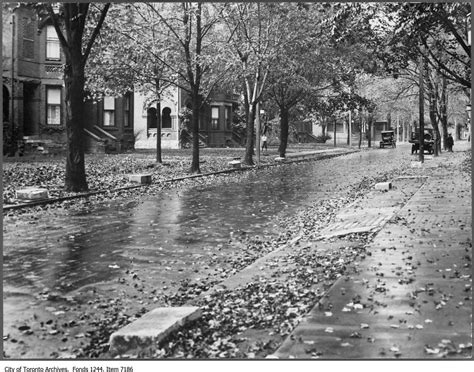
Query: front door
[(30, 109)]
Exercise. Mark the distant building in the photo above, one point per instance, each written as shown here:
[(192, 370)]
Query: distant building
[(342, 130)]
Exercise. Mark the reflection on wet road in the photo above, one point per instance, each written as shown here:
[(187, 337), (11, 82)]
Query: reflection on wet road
[(72, 250)]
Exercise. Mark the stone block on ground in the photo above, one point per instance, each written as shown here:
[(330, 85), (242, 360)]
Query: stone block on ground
[(143, 179), (32, 193), (416, 164), (280, 159), (151, 329), (235, 164), (383, 186)]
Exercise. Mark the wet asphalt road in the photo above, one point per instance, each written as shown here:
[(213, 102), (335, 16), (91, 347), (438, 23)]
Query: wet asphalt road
[(160, 239), (74, 249)]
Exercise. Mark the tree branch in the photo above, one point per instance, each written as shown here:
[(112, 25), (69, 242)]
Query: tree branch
[(55, 20), (95, 33)]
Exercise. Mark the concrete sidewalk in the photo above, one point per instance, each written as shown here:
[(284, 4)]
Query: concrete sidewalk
[(411, 297)]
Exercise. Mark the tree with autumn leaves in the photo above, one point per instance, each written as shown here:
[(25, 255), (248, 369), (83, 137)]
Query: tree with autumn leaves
[(152, 46), (279, 52), (399, 35), (78, 26)]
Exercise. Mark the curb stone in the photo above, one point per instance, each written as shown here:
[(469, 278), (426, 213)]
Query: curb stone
[(151, 329)]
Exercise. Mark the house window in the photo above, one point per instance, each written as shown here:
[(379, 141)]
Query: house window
[(52, 44), (109, 111), (228, 116), (126, 111), (28, 38), (53, 102), (166, 118), (215, 117), (151, 118)]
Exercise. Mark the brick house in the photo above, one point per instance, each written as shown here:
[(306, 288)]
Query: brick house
[(34, 110), (33, 93)]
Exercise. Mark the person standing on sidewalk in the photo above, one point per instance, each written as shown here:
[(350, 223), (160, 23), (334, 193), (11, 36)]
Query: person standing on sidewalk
[(264, 143), (450, 142)]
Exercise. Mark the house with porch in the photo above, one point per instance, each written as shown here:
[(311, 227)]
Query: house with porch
[(34, 112), (33, 94), (341, 127), (215, 121)]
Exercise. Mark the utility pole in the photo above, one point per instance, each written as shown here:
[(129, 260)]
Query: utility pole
[(421, 129)]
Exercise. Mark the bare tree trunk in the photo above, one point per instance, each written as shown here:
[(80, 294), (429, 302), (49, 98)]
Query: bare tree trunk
[(284, 129), (196, 108), (436, 133), (74, 79), (369, 134), (158, 122), (443, 110), (432, 95), (248, 160), (75, 162)]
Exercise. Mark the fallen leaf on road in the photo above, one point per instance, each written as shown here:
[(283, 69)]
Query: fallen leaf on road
[(429, 350)]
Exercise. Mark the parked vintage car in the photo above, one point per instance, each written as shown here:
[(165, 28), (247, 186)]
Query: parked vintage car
[(388, 139), (428, 143)]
